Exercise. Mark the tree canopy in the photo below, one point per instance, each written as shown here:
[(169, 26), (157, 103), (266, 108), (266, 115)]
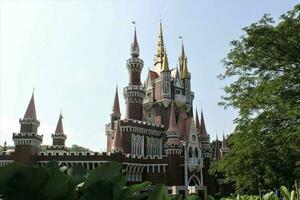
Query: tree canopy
[(264, 64)]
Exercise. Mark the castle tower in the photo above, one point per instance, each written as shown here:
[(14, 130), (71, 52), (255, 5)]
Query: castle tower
[(193, 158), (27, 142), (224, 147), (59, 138), (182, 58), (116, 114), (203, 135), (186, 77), (134, 93), (158, 59), (165, 76), (217, 153), (173, 149), (117, 140)]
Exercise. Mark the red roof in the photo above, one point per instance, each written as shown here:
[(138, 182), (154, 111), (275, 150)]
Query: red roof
[(116, 106), (172, 124), (153, 75), (30, 112), (59, 127), (117, 143)]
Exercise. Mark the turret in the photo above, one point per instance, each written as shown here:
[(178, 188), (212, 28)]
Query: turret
[(193, 156), (59, 137), (217, 153), (117, 139), (203, 135), (116, 114), (186, 77), (134, 93), (173, 149), (224, 147), (165, 76), (27, 142)]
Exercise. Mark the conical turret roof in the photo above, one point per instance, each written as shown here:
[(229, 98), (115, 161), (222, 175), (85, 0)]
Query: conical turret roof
[(116, 105), (135, 49), (59, 127), (197, 122), (30, 111), (202, 125), (172, 123)]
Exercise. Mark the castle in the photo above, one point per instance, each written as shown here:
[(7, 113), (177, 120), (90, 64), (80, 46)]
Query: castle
[(159, 140)]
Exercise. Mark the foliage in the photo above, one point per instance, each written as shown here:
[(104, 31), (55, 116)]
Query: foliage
[(264, 65), (78, 148), (21, 182)]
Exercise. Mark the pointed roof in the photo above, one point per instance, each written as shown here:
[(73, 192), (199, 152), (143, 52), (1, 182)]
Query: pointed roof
[(165, 65), (224, 143), (182, 51), (117, 143), (202, 125), (30, 112), (185, 71), (135, 49), (59, 127), (116, 105), (160, 43), (172, 124), (197, 122), (182, 58), (153, 75), (217, 155)]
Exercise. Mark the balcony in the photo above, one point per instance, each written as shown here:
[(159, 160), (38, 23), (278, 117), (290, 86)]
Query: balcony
[(179, 99), (194, 164)]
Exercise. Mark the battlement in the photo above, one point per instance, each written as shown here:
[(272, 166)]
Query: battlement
[(17, 136)]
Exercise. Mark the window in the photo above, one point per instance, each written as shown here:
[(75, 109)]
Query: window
[(137, 144)]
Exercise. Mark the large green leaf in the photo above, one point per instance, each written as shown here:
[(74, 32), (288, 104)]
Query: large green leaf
[(105, 173), (58, 185), (133, 190), (285, 192), (158, 193)]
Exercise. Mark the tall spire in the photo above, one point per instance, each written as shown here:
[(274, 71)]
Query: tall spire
[(182, 57), (172, 124), (116, 106), (117, 143), (182, 51), (217, 155), (30, 112), (135, 49), (59, 127), (202, 125), (160, 47), (165, 65), (197, 122), (224, 143), (185, 72)]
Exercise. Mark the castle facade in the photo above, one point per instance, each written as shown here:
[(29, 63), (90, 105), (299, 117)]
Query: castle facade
[(160, 138)]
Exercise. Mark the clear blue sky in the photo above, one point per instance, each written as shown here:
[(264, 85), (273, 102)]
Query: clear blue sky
[(74, 53)]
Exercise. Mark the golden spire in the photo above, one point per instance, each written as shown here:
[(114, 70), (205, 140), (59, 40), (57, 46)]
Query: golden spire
[(165, 64), (160, 44), (182, 57), (185, 72)]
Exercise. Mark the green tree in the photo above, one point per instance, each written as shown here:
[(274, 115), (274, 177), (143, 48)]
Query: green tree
[(264, 66)]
